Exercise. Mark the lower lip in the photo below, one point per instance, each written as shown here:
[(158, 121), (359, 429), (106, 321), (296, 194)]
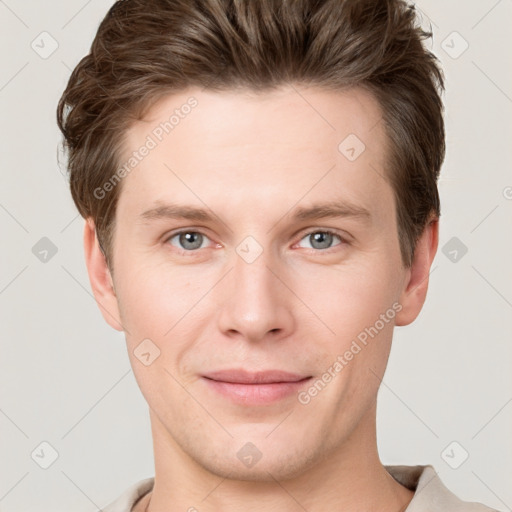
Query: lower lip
[(256, 394)]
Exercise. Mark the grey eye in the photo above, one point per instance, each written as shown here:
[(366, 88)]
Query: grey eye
[(321, 239), (188, 240)]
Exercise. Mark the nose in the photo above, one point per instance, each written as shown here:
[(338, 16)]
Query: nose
[(258, 304)]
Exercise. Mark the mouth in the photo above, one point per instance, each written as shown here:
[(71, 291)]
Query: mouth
[(255, 388)]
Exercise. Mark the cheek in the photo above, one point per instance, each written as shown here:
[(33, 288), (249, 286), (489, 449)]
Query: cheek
[(163, 310), (152, 299), (157, 309), (357, 305), (348, 300)]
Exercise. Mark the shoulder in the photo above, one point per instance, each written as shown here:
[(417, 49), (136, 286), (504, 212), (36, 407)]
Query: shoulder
[(130, 496), (431, 495)]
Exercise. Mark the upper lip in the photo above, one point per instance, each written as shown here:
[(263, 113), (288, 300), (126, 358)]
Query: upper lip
[(242, 376)]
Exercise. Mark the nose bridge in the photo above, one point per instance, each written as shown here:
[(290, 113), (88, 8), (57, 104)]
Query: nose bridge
[(257, 303), (251, 274)]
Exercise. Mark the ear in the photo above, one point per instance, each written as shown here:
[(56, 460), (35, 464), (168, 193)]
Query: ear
[(417, 277), (99, 276)]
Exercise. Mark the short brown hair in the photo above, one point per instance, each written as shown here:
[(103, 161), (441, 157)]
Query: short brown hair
[(145, 49)]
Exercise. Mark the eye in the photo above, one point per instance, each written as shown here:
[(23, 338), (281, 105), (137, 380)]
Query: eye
[(188, 240), (322, 239)]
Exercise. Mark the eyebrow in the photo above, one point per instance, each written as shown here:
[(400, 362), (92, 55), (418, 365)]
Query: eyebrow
[(333, 209), (174, 211)]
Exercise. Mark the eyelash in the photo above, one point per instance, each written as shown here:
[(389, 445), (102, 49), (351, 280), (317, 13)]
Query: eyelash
[(343, 241)]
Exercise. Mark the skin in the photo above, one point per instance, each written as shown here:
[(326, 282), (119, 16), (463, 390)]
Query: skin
[(253, 159)]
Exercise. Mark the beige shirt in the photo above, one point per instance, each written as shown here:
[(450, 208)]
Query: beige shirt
[(430, 493)]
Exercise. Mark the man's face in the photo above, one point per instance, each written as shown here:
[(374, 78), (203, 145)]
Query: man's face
[(253, 285)]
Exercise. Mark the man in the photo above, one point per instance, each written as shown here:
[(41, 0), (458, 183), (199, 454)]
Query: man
[(258, 180)]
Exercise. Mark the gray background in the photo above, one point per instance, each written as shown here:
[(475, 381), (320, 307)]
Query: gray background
[(65, 377)]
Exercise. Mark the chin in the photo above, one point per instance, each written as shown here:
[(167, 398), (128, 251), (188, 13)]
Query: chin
[(258, 459)]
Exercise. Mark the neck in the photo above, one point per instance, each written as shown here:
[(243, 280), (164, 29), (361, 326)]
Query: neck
[(351, 478)]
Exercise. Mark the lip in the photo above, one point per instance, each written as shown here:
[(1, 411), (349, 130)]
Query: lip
[(255, 388), (241, 376)]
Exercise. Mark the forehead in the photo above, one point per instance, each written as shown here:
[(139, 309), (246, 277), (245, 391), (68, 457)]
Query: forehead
[(247, 117), (243, 147)]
